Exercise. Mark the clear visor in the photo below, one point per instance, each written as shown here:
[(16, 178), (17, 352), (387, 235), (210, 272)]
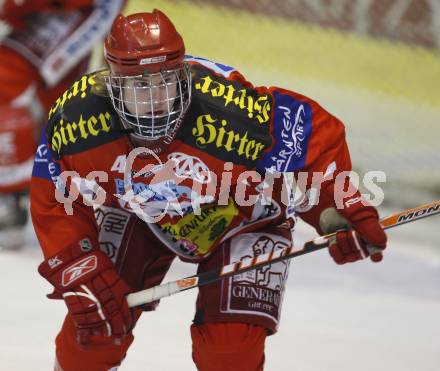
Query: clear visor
[(151, 105)]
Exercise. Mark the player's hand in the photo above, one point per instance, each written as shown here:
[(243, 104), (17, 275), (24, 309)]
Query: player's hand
[(360, 235), (92, 290)]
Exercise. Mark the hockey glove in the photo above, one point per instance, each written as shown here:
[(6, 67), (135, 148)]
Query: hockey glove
[(356, 223), (358, 232), (92, 290)]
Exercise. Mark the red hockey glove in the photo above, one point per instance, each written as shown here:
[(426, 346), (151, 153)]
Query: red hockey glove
[(343, 210), (92, 290), (365, 237)]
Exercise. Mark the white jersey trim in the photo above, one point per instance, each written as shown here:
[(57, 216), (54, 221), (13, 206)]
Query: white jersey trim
[(215, 66)]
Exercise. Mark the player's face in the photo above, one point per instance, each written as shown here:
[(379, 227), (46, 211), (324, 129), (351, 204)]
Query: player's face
[(151, 106), (151, 96)]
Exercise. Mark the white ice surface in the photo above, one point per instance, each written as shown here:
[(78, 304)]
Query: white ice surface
[(362, 316)]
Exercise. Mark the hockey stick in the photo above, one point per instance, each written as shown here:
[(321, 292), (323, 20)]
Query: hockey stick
[(171, 288)]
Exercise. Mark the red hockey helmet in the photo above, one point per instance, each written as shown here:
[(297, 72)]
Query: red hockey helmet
[(143, 42), (149, 83)]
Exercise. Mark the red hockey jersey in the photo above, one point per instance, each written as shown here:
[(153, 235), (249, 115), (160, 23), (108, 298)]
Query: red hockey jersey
[(206, 187)]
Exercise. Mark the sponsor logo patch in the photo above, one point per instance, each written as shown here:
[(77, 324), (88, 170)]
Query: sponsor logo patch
[(80, 87), (233, 95), (157, 198), (85, 123), (229, 121), (292, 130), (214, 134), (195, 235), (66, 134), (258, 291)]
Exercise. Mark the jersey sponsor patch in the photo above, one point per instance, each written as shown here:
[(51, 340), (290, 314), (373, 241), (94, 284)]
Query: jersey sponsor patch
[(259, 291), (158, 199), (226, 119), (292, 128), (195, 235), (80, 120)]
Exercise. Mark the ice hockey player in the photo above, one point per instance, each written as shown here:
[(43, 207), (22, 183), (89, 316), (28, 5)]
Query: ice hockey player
[(44, 47), (123, 189)]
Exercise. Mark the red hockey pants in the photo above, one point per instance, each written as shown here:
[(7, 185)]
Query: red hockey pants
[(216, 347)]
